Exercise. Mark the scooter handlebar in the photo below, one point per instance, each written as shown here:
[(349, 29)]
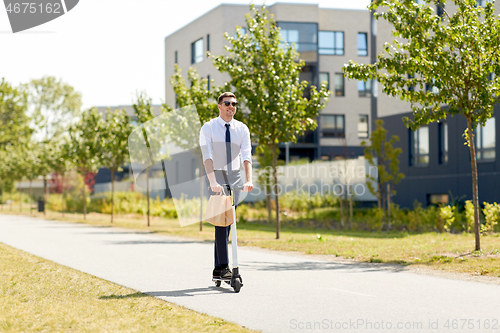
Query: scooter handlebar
[(233, 188)]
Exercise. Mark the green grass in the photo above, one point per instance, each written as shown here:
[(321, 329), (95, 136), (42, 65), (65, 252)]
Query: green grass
[(39, 295), (443, 251)]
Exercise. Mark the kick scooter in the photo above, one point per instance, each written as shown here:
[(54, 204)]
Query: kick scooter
[(236, 282)]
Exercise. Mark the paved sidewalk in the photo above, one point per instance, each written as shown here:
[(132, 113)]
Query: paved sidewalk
[(281, 293)]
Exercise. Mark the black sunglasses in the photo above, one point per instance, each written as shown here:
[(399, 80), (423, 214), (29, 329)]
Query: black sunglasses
[(233, 104)]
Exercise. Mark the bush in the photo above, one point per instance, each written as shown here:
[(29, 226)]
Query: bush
[(492, 215)]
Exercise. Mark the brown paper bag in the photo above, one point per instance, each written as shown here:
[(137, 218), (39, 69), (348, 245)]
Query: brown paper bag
[(217, 208), (229, 214)]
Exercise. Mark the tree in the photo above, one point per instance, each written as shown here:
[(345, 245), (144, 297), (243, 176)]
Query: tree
[(455, 53), (265, 76), (85, 148), (205, 101), (265, 159), (116, 131), (144, 112), (32, 165), (387, 163), (53, 105), (198, 94), (14, 132), (61, 164), (14, 122)]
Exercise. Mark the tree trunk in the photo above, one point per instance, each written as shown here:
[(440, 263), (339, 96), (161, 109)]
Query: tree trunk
[(112, 192), (276, 196), (31, 199), (84, 200), (342, 221), (389, 206), (202, 182), (20, 199), (475, 192), (269, 201), (63, 195), (44, 191), (379, 185), (350, 206), (147, 190)]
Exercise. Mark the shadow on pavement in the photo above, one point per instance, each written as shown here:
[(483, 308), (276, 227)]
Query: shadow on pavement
[(316, 266), (190, 292), (158, 242), (134, 295)]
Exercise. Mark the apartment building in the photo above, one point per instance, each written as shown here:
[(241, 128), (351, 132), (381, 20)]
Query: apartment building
[(325, 38), (435, 160)]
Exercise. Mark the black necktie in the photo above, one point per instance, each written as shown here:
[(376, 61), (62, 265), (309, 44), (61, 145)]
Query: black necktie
[(228, 149)]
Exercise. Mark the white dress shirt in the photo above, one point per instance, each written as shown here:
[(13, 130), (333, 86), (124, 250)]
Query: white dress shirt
[(213, 143)]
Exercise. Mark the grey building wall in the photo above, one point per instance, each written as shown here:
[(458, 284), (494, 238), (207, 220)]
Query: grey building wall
[(454, 177), (226, 17)]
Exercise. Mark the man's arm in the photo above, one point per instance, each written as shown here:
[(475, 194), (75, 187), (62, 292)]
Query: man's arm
[(248, 186), (209, 169)]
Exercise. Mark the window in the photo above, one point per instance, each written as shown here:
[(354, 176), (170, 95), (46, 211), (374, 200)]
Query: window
[(365, 88), (438, 199), (208, 43), (443, 143), (331, 42), (363, 126), (175, 57), (411, 88), (242, 31), (485, 141), (325, 77), (419, 141), (431, 87), (304, 36), (362, 44), (339, 84), (482, 3), (333, 126), (440, 9), (197, 51)]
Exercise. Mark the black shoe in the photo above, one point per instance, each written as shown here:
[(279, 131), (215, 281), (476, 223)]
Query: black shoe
[(216, 273), (226, 274)]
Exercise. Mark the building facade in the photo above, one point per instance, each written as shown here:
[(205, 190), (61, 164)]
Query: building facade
[(325, 38), (435, 160)]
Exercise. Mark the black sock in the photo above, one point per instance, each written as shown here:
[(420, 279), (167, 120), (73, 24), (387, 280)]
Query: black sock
[(218, 268), (224, 266)]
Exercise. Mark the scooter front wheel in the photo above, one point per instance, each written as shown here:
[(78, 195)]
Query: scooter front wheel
[(237, 285)]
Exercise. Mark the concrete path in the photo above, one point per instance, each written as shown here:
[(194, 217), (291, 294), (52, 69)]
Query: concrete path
[(281, 293)]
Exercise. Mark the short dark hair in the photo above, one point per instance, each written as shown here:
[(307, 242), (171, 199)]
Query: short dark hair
[(226, 94)]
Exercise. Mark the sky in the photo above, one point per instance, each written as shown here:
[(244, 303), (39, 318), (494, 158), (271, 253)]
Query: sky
[(109, 50)]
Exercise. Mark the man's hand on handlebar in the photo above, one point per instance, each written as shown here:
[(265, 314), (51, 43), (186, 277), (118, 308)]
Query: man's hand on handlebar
[(215, 187), (247, 187)]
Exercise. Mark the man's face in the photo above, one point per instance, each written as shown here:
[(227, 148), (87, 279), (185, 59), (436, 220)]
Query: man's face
[(227, 111)]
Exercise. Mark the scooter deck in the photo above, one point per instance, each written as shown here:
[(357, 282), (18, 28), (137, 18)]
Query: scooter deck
[(228, 281)]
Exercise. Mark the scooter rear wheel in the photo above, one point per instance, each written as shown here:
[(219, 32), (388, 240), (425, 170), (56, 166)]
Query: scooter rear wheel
[(217, 283)]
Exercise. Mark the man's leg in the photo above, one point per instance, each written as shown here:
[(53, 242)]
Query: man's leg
[(220, 251)]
